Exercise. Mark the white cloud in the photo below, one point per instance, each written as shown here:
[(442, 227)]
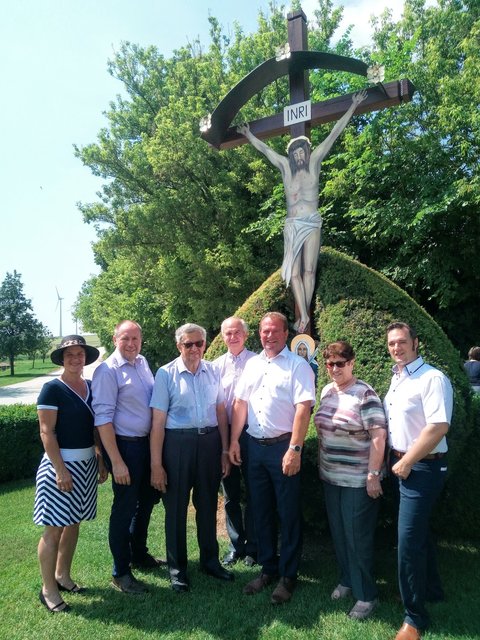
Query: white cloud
[(359, 13)]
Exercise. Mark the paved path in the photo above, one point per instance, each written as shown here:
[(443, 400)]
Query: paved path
[(27, 392)]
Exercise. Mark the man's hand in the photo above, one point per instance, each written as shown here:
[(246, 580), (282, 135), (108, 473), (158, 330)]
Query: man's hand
[(291, 463), (158, 478), (120, 473), (243, 129), (226, 464), (234, 453), (359, 97), (402, 469)]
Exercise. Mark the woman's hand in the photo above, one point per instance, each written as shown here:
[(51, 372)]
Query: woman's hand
[(64, 480), (102, 470)]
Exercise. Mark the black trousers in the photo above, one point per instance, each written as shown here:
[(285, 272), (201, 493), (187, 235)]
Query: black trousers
[(239, 519), (193, 464)]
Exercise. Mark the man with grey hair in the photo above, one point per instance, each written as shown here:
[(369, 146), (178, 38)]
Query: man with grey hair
[(239, 521), (189, 452), (300, 174)]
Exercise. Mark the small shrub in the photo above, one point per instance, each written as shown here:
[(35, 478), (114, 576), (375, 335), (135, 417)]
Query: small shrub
[(20, 444)]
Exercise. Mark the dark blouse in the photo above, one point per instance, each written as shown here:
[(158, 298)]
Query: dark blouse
[(472, 369), (74, 426)]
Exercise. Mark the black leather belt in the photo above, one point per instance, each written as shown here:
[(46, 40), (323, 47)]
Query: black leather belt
[(201, 431), (266, 442), (430, 456), (132, 438)]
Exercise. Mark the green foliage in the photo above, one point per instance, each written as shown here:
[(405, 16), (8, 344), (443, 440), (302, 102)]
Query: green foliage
[(403, 194), (20, 445)]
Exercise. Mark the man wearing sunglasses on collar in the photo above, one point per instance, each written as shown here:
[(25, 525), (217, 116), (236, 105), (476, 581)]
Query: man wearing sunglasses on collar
[(418, 407), (189, 452)]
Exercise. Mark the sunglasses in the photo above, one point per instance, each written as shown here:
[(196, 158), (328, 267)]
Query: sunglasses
[(339, 363), (189, 345)]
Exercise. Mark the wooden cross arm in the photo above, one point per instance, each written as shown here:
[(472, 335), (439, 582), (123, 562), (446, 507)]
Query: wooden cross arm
[(378, 97)]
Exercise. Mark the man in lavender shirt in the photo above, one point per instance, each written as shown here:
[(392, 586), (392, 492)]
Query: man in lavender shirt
[(122, 388)]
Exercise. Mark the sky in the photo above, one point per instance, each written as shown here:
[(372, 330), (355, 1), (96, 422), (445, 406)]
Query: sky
[(55, 90)]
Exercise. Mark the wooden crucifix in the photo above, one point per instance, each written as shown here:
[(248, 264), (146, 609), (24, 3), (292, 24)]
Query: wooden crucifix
[(301, 169)]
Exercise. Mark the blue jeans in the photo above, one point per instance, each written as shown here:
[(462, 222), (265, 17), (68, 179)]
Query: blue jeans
[(132, 506), (239, 521), (418, 576), (275, 497), (352, 516)]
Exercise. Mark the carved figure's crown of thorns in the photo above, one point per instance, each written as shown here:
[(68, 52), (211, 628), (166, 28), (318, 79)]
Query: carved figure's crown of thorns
[(293, 140)]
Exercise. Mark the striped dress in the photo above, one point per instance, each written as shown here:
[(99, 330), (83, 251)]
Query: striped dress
[(342, 421), (74, 432)]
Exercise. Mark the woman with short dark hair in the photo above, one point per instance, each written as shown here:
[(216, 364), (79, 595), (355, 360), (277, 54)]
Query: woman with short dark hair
[(351, 431), (472, 368)]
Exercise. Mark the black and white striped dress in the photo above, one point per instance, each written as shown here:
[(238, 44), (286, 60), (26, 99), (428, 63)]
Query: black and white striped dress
[(74, 432)]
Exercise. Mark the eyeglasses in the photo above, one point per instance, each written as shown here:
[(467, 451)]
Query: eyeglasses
[(338, 363), (189, 345)]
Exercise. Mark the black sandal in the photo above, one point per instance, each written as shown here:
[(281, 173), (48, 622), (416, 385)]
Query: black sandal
[(74, 589), (54, 609)]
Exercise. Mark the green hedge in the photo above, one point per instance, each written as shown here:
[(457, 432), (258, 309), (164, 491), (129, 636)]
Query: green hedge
[(355, 303), (20, 444)]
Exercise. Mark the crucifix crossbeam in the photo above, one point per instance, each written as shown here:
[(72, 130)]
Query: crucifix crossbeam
[(390, 95), (296, 63)]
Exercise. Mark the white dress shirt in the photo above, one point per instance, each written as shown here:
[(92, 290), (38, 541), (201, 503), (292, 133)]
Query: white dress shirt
[(418, 395), (272, 387)]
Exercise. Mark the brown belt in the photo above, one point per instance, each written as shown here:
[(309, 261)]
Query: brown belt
[(430, 456), (269, 441)]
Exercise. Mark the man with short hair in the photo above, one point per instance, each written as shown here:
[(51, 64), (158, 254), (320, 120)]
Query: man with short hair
[(300, 174), (189, 452), (418, 407), (277, 392), (239, 522), (121, 390)]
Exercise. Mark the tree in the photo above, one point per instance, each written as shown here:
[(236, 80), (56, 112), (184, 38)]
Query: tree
[(38, 341), (18, 326)]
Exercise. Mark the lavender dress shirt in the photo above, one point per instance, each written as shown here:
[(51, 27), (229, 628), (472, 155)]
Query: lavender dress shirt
[(121, 395)]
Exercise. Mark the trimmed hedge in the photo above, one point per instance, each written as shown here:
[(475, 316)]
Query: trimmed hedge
[(20, 444), (355, 303)]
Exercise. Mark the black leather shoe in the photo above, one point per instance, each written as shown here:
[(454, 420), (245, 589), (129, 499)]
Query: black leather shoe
[(148, 562), (231, 558), (249, 561), (179, 586), (219, 573)]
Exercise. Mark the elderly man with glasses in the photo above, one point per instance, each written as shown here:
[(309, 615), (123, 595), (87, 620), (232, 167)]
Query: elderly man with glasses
[(189, 452)]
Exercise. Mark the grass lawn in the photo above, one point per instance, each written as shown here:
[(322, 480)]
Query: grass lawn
[(24, 371), (212, 610)]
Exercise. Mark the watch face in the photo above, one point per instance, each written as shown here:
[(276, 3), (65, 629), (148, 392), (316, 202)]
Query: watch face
[(296, 447)]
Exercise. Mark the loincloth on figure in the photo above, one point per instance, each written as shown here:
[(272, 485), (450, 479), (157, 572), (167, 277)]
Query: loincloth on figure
[(295, 233)]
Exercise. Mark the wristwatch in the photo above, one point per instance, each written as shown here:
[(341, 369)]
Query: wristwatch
[(374, 472), (295, 447)]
